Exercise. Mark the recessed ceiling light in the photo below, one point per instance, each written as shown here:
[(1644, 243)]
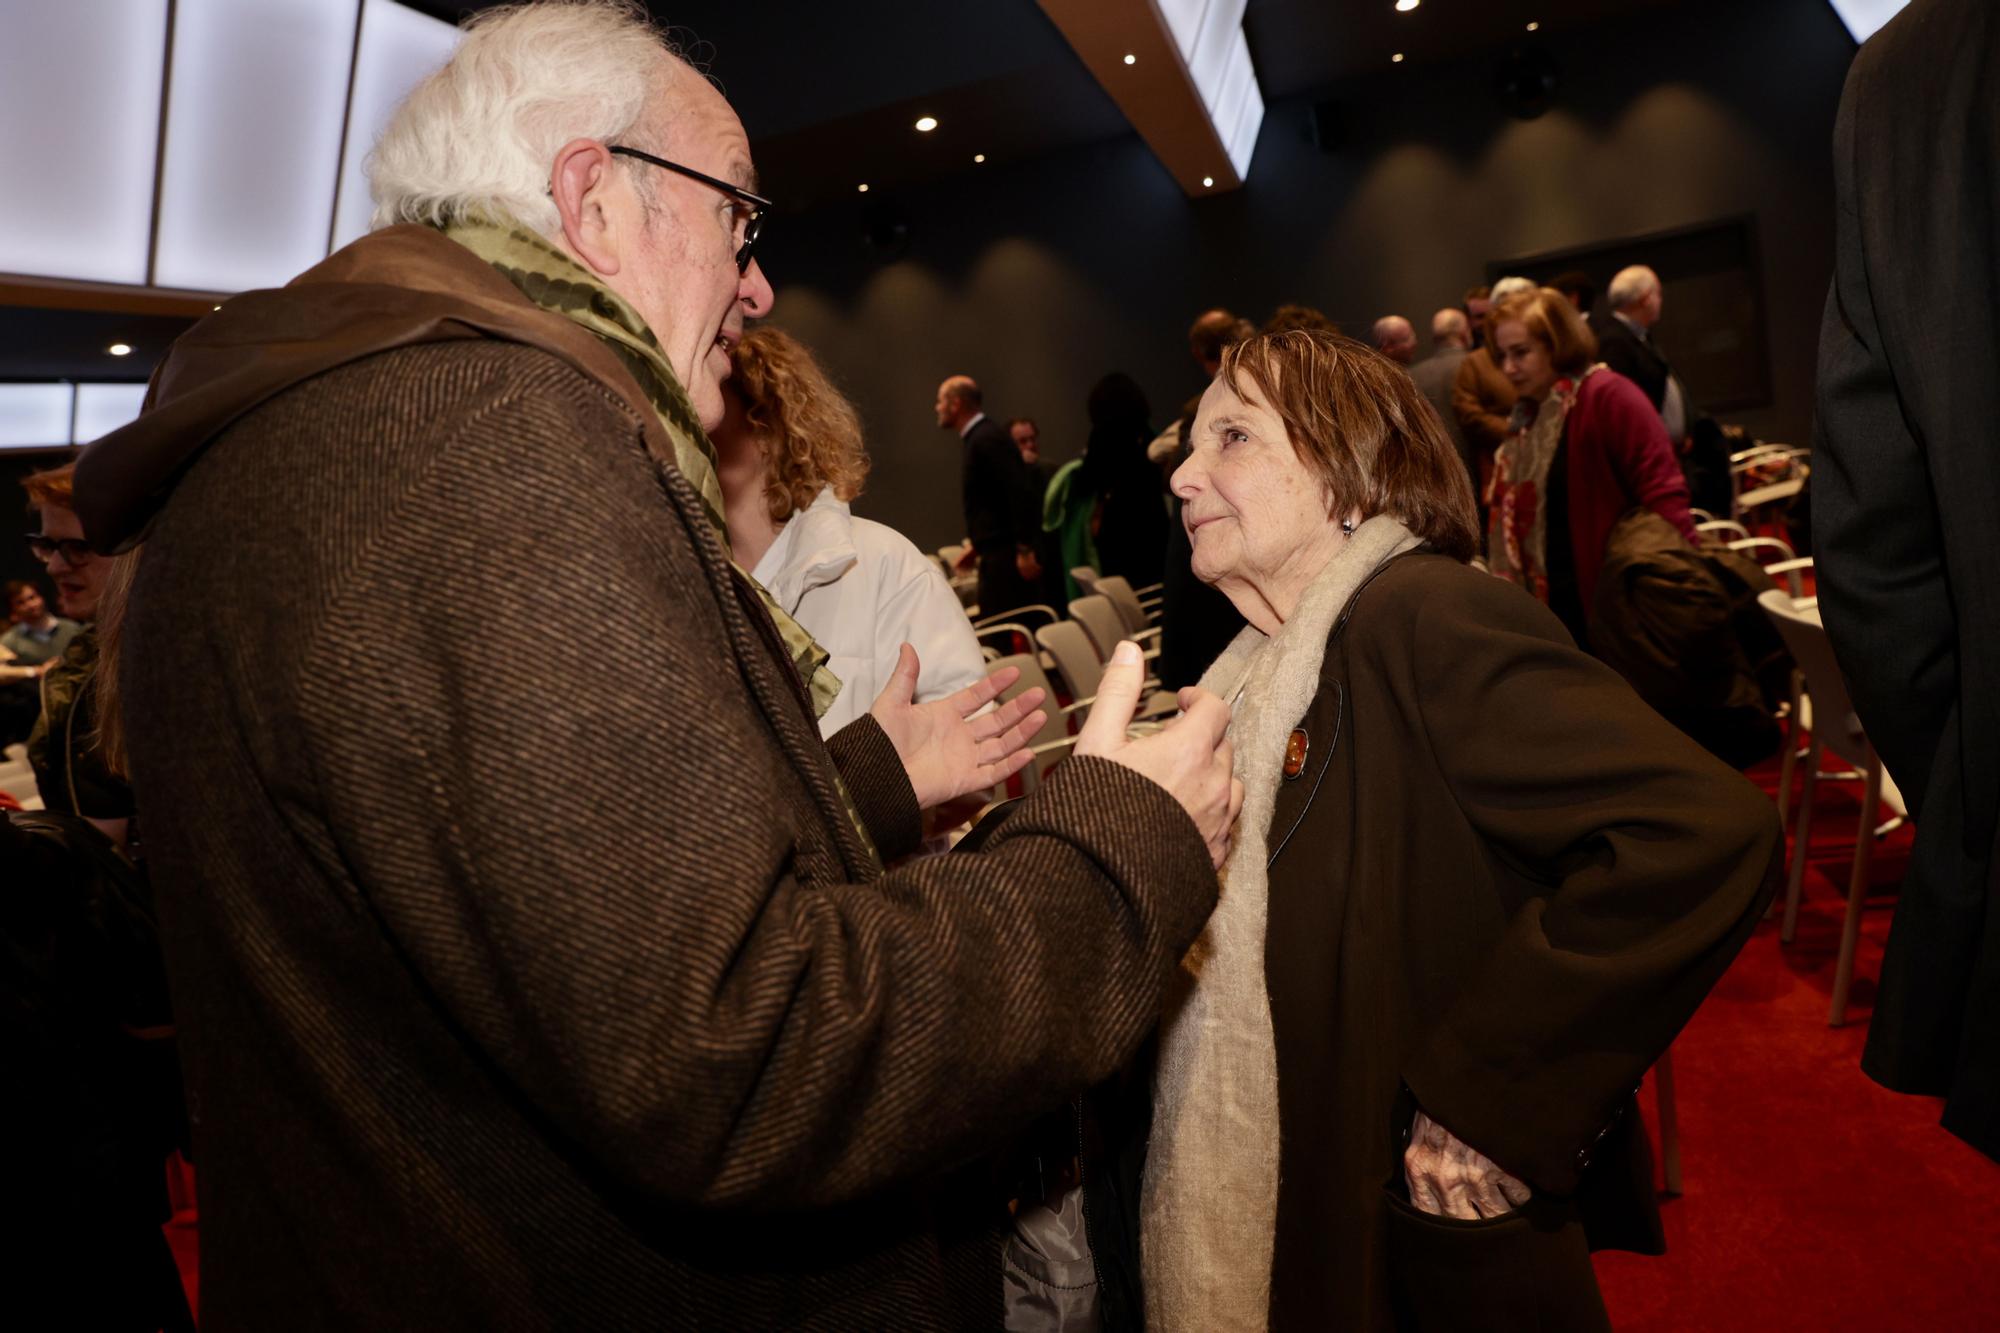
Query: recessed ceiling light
[(1405, 6), (1396, 59), (979, 157), (1207, 181), (1534, 27), (120, 349), (215, 307), (863, 187), (1131, 59), (926, 124)]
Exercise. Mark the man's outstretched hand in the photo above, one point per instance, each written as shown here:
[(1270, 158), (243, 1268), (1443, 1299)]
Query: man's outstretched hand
[(946, 751)]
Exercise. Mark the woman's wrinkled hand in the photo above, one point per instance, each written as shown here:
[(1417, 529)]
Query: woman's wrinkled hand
[(1448, 1178)]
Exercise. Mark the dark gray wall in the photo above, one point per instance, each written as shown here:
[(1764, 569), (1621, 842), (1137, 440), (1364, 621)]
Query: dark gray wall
[(1039, 277)]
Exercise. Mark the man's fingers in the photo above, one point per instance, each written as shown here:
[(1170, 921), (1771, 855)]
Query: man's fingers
[(1206, 713), (1012, 739), (902, 686), (1117, 699), (981, 692), (1007, 714)]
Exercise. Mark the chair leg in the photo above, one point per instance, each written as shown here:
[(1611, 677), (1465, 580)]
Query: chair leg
[(1789, 764), (1796, 884), (1670, 1121), (1857, 889)]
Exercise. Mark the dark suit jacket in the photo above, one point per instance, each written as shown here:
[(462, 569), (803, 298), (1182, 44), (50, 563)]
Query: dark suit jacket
[(1905, 489), (1583, 876), (511, 1002), (1633, 357), (993, 485)]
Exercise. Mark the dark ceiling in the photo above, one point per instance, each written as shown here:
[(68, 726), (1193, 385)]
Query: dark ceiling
[(829, 94)]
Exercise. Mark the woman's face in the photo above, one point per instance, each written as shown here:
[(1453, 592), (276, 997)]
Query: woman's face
[(1523, 360), (1255, 514)]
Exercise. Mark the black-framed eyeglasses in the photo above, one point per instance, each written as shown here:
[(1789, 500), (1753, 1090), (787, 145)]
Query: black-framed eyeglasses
[(756, 203), (74, 550)]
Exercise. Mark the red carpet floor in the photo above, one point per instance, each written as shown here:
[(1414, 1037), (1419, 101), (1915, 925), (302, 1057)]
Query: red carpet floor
[(1814, 1199)]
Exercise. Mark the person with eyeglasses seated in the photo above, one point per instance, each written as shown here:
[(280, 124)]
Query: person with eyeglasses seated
[(607, 995), (62, 746)]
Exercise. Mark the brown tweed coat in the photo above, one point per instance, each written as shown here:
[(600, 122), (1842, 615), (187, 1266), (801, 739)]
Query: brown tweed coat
[(519, 993)]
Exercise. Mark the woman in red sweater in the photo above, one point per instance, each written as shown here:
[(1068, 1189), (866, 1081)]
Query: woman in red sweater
[(1586, 448)]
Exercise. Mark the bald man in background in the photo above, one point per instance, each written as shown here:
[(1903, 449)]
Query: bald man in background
[(992, 484), (1394, 338), (1436, 374)]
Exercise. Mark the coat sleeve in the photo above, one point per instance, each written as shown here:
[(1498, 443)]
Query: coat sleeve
[(1654, 862), (1486, 429), (1642, 453), (598, 876), (1876, 535)]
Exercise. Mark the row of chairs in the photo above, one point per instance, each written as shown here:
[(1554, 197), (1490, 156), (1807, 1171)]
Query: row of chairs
[(1049, 649), (1820, 724)]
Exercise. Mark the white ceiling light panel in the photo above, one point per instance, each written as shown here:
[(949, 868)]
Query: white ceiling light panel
[(103, 408), (398, 48), (1864, 18), (34, 416), (258, 92), (80, 97)]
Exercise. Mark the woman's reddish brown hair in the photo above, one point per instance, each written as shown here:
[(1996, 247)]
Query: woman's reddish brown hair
[(1553, 322), (1360, 423)]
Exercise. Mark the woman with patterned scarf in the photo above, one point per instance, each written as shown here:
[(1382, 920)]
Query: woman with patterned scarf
[(1587, 448), (1476, 889)]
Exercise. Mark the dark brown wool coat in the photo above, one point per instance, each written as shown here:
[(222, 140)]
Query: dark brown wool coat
[(519, 993), (1504, 880)]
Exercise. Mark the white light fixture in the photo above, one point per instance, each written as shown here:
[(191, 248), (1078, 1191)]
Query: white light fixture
[(103, 408), (85, 74), (1405, 6), (1396, 59), (1534, 27), (1131, 59), (979, 157), (215, 307), (863, 187), (120, 349), (1207, 181), (926, 124)]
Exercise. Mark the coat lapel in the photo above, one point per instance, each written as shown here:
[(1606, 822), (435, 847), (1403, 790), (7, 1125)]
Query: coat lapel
[(1295, 794)]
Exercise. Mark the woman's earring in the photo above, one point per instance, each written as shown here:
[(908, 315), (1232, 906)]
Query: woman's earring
[(1347, 527)]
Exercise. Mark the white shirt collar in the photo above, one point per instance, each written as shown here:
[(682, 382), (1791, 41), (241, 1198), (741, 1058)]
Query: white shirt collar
[(966, 429)]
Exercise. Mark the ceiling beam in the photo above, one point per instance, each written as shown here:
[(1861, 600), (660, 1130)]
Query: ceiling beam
[(74, 294), (1190, 89)]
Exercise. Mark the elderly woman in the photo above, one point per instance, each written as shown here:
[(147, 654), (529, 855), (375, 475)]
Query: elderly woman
[(790, 460), (1588, 447), (1476, 889)]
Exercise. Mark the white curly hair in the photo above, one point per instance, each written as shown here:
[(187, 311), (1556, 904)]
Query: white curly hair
[(477, 138)]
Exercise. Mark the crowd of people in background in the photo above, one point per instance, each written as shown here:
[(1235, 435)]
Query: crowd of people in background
[(643, 993)]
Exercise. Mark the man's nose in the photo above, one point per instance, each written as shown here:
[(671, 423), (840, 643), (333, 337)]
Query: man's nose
[(754, 291)]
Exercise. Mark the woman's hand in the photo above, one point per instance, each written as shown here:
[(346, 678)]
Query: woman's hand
[(946, 751), (1448, 1178)]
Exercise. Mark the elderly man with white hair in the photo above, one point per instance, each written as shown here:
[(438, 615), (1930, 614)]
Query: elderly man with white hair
[(1625, 343), (596, 992)]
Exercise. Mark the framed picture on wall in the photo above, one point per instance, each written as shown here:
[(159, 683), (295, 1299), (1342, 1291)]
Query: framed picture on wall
[(1712, 324)]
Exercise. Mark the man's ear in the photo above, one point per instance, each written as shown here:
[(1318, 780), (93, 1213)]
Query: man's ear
[(581, 177)]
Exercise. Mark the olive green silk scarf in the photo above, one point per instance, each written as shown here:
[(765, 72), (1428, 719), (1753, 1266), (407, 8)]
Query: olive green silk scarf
[(556, 283)]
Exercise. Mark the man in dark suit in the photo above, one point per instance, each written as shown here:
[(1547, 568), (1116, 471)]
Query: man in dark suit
[(992, 486), (1906, 484), (1437, 373), (1625, 343)]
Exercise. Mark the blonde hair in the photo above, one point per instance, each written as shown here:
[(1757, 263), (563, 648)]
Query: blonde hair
[(812, 432)]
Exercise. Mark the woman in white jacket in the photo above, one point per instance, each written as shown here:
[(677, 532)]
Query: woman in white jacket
[(790, 458)]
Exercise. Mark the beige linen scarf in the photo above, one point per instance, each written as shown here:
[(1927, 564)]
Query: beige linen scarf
[(1209, 1202)]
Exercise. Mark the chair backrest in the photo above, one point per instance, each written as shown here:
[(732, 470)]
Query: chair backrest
[(1125, 602), (1074, 655), (1097, 615), (1054, 727), (1834, 722), (1086, 578)]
